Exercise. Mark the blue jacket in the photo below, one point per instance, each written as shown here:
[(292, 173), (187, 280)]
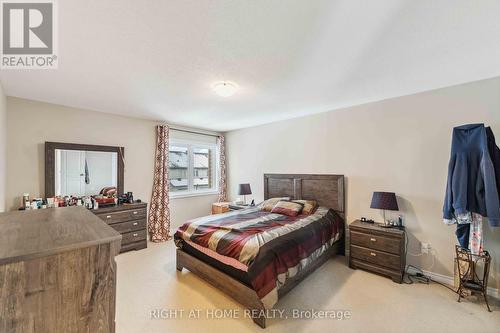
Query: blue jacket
[(471, 185)]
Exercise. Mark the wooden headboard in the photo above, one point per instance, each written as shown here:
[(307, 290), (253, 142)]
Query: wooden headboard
[(327, 190)]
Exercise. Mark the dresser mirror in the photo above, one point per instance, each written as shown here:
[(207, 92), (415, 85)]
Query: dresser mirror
[(82, 170)]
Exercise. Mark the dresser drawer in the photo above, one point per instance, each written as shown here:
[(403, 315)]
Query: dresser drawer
[(376, 257), (134, 246), (391, 245), (134, 236), (129, 226), (123, 216)]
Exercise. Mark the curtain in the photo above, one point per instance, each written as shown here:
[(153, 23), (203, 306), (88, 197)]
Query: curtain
[(159, 211), (222, 169)]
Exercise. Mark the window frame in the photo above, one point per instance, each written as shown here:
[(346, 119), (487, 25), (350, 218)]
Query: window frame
[(191, 145)]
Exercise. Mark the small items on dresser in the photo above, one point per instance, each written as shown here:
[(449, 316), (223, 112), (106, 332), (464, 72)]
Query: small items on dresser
[(377, 249)]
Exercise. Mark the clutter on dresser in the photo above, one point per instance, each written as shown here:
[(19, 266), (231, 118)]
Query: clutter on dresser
[(104, 199)]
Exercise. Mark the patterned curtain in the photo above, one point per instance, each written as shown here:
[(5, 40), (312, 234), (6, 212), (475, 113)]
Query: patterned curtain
[(222, 169), (159, 211)]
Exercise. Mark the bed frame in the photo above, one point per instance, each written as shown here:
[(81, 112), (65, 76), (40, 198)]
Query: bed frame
[(327, 190)]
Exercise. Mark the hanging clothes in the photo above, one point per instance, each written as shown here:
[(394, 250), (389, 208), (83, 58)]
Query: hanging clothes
[(476, 234), (471, 185), (494, 155), (87, 174), (470, 232)]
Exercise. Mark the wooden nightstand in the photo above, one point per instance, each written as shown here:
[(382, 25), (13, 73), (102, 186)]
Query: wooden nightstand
[(224, 207), (376, 249)]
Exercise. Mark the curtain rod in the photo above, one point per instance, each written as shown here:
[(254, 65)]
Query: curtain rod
[(193, 132)]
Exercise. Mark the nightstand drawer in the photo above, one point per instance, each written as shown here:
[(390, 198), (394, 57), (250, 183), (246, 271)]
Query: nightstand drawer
[(376, 257), (391, 245)]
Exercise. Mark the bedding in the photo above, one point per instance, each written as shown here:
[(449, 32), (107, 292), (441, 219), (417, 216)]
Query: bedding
[(309, 206), (269, 204), (287, 208), (273, 247)]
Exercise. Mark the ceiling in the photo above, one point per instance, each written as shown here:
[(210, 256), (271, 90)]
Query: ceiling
[(158, 59)]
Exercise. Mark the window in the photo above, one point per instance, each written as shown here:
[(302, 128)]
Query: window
[(192, 168)]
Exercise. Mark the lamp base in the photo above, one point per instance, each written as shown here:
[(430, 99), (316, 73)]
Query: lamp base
[(385, 226)]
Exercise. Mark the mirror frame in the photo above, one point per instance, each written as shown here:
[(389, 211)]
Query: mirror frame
[(50, 154)]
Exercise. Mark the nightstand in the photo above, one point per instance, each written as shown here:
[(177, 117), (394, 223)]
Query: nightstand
[(224, 207), (376, 249)]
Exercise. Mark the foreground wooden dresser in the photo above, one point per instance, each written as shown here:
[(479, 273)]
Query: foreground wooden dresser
[(130, 220), (376, 249), (57, 271)]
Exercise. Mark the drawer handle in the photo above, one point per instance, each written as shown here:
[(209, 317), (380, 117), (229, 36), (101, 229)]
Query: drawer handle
[(135, 235), (135, 223), (108, 216), (373, 239), (373, 254), (135, 212)]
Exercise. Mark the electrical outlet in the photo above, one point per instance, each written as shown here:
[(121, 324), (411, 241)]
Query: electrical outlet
[(426, 247)]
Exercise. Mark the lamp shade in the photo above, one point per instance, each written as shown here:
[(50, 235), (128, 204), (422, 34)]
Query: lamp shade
[(244, 189), (384, 200)]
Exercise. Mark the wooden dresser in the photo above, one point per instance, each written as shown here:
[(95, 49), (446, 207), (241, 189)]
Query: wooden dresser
[(57, 271), (376, 249), (130, 220)]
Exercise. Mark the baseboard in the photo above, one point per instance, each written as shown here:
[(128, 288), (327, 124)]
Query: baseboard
[(449, 280)]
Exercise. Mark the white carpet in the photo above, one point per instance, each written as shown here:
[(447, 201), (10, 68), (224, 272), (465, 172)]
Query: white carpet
[(148, 281)]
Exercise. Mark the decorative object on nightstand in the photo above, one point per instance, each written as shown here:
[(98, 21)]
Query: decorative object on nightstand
[(220, 207), (377, 249), (224, 207), (244, 190), (384, 201)]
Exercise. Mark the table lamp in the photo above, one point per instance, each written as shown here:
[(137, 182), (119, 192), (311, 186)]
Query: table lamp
[(384, 201), (244, 189)]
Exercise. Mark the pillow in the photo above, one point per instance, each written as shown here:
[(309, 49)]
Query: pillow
[(287, 208), (269, 204), (309, 206)]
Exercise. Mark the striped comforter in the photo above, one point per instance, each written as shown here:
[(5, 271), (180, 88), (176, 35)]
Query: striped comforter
[(274, 247)]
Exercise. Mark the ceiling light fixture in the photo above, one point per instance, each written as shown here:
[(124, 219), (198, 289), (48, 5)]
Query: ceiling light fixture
[(225, 89)]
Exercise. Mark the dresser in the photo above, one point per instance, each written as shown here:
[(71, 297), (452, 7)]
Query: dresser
[(57, 271), (130, 220), (376, 249)]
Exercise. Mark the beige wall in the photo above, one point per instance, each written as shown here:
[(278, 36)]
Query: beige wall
[(400, 145), (32, 123), (3, 148)]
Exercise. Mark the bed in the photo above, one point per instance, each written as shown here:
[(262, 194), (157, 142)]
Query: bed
[(256, 256)]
